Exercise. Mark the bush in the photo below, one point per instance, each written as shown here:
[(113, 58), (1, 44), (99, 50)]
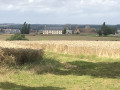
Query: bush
[(20, 56), (6, 59), (17, 37)]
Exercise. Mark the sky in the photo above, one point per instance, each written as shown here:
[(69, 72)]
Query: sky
[(60, 11)]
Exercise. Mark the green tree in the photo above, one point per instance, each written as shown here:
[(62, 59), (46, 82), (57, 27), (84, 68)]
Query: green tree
[(104, 29), (28, 29), (25, 29), (99, 33), (64, 31)]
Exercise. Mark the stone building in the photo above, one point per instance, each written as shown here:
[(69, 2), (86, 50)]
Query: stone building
[(77, 30)]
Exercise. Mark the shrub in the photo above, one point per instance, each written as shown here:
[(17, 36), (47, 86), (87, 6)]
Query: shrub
[(6, 59), (17, 37), (19, 55)]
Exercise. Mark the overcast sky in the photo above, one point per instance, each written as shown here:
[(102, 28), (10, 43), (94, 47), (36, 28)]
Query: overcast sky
[(60, 11)]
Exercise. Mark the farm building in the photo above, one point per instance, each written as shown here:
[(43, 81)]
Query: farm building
[(53, 30), (69, 31), (77, 30), (118, 32)]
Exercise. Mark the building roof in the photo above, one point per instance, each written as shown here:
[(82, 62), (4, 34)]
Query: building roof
[(54, 28)]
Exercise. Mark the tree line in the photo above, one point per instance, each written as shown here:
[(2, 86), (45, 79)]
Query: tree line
[(106, 30)]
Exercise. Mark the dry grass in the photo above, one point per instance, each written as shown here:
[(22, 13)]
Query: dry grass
[(18, 54), (63, 71), (4, 58), (99, 48)]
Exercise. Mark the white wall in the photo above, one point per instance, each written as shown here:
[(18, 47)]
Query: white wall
[(52, 31), (68, 31)]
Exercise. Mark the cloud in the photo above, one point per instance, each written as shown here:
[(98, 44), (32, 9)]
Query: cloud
[(30, 1), (61, 4), (64, 8)]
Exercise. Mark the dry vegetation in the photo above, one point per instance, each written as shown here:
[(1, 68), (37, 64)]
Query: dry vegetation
[(99, 48), (60, 71), (18, 54)]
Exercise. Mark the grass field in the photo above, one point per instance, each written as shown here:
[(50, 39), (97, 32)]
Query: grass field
[(88, 37), (76, 68), (63, 72)]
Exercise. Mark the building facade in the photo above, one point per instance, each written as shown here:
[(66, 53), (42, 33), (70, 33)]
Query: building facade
[(69, 31), (118, 32), (53, 30)]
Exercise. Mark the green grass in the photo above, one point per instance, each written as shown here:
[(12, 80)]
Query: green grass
[(63, 72), (88, 37)]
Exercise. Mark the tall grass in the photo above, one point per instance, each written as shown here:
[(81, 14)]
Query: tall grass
[(61, 71), (99, 48), (18, 54), (21, 56)]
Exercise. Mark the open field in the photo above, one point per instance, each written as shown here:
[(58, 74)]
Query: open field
[(63, 72), (72, 65), (99, 48), (87, 37)]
